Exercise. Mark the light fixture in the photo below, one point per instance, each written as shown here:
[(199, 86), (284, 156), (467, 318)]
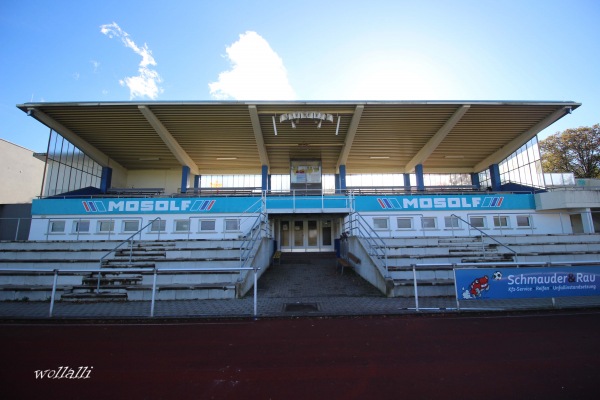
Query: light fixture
[(454, 157), (149, 159), (274, 126), (379, 157), (226, 158), (337, 128)]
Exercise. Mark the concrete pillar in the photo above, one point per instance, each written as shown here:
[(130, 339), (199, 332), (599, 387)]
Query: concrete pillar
[(342, 175), (475, 181), (420, 178), (185, 172), (265, 178), (197, 183), (407, 182), (105, 180), (495, 177)]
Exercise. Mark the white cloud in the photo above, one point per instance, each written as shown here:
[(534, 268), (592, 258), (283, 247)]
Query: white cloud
[(146, 83), (95, 65), (257, 72)]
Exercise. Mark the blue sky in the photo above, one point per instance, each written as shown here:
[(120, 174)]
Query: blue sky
[(80, 50)]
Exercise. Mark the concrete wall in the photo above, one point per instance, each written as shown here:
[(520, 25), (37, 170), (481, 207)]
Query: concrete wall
[(21, 174), (169, 179)]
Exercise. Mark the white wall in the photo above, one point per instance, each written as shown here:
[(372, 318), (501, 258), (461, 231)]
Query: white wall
[(21, 174)]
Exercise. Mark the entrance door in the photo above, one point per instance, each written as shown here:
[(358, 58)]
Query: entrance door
[(305, 234)]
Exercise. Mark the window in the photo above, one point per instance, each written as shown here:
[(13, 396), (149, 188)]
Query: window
[(131, 226), (182, 225), (380, 223), (158, 226), (232, 225), (500, 221), (428, 223), (477, 222), (106, 226), (523, 221), (207, 225), (404, 223), (81, 226), (57, 226), (451, 222)]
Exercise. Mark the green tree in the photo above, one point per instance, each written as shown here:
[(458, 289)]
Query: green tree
[(573, 150)]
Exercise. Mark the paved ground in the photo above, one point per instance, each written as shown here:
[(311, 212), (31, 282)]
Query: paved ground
[(498, 356), (303, 285), (318, 335)]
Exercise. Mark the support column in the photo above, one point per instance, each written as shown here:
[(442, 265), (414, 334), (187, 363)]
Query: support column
[(342, 178), (265, 178), (105, 180), (475, 181), (185, 172), (420, 179), (495, 177), (196, 183), (407, 182)]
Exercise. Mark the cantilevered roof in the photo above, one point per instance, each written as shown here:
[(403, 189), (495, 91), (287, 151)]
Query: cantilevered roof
[(240, 137)]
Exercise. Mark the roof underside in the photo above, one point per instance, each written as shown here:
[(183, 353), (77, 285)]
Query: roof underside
[(240, 137)]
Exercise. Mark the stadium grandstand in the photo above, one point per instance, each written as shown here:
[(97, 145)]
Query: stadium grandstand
[(396, 191)]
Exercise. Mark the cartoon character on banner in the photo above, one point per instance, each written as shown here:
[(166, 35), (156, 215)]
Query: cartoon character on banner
[(476, 288)]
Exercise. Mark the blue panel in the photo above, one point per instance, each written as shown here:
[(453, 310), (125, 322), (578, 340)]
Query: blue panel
[(517, 283), (144, 206), (445, 202)]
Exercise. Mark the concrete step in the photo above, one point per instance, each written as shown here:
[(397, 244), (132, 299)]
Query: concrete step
[(94, 297)]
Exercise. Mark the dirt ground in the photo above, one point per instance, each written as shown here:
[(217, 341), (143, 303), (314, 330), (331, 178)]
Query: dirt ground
[(495, 356)]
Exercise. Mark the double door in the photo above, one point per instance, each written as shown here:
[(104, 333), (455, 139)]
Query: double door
[(305, 234)]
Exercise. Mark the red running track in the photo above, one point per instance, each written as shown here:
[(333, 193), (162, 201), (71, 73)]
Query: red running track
[(532, 356)]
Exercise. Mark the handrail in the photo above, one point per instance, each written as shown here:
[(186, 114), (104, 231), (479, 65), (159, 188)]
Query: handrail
[(485, 234), (250, 240), (154, 270), (376, 243), (129, 239)]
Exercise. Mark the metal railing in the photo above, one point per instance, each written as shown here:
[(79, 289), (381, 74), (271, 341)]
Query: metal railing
[(154, 271), (487, 236), (454, 266), (357, 226), (130, 239)]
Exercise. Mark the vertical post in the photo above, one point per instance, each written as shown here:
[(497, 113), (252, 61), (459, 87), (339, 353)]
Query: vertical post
[(53, 295), (153, 293), (455, 287), (342, 174), (196, 183), (416, 287), (255, 291), (475, 181), (17, 232), (264, 178), (185, 172), (420, 178), (407, 185), (105, 180), (495, 177)]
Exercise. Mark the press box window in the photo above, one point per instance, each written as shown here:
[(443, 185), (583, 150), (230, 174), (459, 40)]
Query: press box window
[(451, 222), (158, 226), (477, 222), (523, 221), (404, 223), (232, 225), (380, 223), (131, 226), (81, 226), (500, 221), (182, 225), (428, 223), (57, 226), (207, 225), (106, 226)]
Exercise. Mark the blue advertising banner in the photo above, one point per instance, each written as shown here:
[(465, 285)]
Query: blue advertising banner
[(145, 206), (516, 283), (445, 202)]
